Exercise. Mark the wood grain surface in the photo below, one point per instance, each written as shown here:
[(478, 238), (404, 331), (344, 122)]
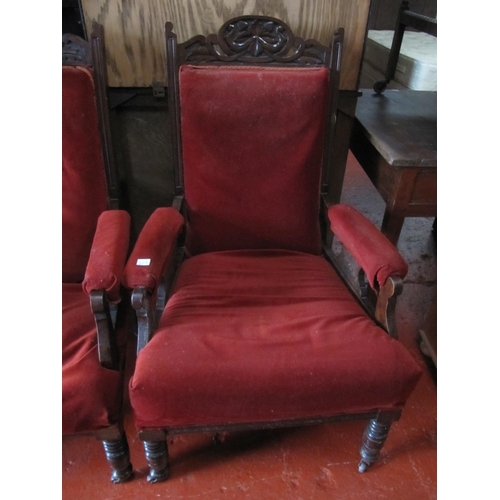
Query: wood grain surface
[(134, 30)]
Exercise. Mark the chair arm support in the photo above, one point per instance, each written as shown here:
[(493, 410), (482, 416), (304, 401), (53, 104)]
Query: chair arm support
[(108, 254), (376, 255), (153, 250), (106, 339), (142, 303), (385, 309)]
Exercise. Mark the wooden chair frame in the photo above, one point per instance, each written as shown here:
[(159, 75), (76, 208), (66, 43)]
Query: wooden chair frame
[(91, 54), (221, 49)]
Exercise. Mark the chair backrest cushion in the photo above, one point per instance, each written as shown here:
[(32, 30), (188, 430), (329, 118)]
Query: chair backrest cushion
[(252, 147), (84, 192)]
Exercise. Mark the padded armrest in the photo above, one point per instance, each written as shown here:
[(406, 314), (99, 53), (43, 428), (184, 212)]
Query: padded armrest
[(108, 254), (377, 256), (153, 249)]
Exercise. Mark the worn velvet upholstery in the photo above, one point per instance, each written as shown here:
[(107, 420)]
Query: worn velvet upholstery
[(155, 244), (252, 144), (91, 394), (108, 254), (378, 257), (252, 336), (84, 194)]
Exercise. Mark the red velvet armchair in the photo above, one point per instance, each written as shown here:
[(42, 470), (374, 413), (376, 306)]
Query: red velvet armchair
[(95, 244), (258, 329)]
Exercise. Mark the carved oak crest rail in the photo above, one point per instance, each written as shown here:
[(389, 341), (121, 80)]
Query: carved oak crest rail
[(250, 39), (75, 51)]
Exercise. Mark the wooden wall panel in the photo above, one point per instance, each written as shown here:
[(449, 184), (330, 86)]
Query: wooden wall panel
[(135, 42)]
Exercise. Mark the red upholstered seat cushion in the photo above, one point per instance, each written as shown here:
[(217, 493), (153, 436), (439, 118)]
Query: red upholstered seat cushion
[(252, 145), (84, 194), (91, 394), (251, 336)]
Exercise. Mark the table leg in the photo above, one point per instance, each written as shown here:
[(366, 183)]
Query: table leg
[(398, 201), (392, 225)]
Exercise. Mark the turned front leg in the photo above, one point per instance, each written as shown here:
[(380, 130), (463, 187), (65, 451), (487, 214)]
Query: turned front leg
[(118, 457), (117, 453), (374, 438), (156, 452)]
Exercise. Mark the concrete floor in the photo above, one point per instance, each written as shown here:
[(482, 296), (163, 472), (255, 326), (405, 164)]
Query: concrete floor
[(316, 462)]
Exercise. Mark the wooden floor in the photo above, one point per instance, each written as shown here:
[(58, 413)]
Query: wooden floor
[(317, 462)]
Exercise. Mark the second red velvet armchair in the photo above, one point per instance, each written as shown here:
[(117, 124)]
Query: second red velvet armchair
[(95, 244)]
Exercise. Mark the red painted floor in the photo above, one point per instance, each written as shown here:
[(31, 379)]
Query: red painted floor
[(317, 462)]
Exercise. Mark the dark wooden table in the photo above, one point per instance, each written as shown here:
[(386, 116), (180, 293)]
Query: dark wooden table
[(394, 138)]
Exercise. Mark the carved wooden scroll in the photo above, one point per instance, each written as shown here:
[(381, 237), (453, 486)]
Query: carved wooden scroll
[(253, 40)]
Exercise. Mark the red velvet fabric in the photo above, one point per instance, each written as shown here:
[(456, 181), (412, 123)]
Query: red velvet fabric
[(84, 193), (377, 256), (252, 143), (91, 394), (155, 244), (108, 254), (250, 336)]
